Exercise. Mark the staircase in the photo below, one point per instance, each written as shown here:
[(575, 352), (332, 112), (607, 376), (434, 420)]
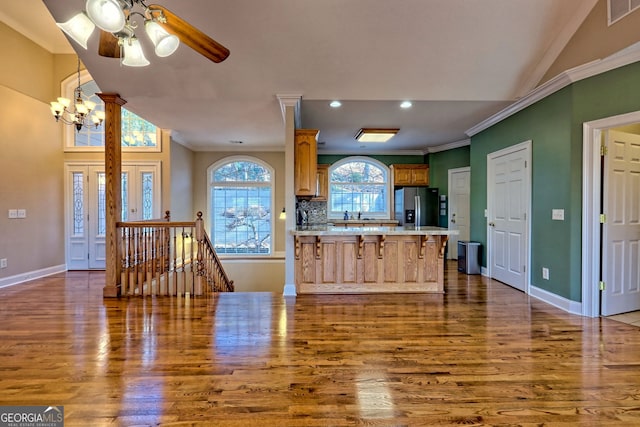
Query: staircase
[(169, 258)]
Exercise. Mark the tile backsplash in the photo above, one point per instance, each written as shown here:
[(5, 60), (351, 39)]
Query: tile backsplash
[(316, 211)]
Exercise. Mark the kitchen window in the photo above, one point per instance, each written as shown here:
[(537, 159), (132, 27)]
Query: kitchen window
[(240, 206), (359, 185)]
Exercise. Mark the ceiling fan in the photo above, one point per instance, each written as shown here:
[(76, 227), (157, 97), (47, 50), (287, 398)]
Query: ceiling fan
[(117, 27)]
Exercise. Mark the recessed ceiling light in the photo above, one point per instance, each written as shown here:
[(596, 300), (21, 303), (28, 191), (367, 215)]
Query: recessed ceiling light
[(335, 104), (375, 135), (406, 104)]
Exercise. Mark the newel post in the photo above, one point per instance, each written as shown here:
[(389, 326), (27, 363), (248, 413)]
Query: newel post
[(113, 196), (199, 235)]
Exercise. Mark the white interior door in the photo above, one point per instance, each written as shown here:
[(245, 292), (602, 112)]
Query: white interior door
[(508, 196), (85, 213), (459, 207), (621, 229)]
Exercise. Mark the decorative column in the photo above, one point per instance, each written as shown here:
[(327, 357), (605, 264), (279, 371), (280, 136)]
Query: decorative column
[(113, 183), (290, 106)]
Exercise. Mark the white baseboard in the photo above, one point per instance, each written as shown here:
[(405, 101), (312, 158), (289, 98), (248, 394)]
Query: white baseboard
[(31, 275), (289, 290), (562, 303)]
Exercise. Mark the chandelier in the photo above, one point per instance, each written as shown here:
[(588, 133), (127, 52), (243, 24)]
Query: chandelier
[(115, 17), (78, 114)]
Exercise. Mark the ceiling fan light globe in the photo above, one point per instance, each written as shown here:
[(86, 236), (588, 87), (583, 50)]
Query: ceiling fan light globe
[(165, 43), (106, 14), (79, 28), (133, 54)]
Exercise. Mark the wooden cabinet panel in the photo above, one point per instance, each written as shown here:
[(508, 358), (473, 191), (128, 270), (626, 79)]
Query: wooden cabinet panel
[(410, 261), (417, 175), (305, 162), (349, 257), (322, 183), (420, 175), (402, 175), (369, 263)]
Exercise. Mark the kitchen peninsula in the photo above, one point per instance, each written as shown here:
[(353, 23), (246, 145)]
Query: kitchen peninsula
[(339, 259)]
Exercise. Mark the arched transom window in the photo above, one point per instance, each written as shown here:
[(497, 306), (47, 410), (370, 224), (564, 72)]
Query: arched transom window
[(137, 134), (359, 185), (240, 206)]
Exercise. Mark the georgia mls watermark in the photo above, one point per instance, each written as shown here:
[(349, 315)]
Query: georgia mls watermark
[(31, 416)]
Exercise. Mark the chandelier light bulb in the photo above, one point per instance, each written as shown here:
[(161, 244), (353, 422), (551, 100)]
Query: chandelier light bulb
[(65, 102)]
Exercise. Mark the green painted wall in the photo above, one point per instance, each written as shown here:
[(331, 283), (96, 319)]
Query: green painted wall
[(554, 125), (439, 165), (329, 159)]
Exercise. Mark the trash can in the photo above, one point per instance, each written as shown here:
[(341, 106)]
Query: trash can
[(469, 257)]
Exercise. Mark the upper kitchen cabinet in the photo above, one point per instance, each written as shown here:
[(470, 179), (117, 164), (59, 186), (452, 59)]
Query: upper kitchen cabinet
[(417, 175), (305, 160)]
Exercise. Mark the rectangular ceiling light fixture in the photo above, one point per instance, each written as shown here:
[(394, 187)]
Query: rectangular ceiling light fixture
[(375, 135)]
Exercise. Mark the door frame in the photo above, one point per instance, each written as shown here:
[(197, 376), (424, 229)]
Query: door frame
[(69, 165), (591, 190), (525, 145), (450, 173)]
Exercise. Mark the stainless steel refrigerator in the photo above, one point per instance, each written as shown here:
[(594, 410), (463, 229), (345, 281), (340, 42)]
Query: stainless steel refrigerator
[(416, 206)]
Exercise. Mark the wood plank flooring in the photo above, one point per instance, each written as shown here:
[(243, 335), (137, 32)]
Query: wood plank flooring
[(481, 354)]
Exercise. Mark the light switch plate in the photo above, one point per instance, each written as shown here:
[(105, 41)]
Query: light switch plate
[(557, 214)]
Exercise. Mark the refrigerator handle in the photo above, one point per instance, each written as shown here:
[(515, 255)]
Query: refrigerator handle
[(418, 213)]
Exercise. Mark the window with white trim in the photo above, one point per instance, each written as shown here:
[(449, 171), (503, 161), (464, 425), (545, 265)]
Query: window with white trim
[(359, 185), (618, 9), (137, 134), (240, 206)]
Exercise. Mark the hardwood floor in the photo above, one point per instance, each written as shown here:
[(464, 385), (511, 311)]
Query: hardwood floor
[(482, 354)]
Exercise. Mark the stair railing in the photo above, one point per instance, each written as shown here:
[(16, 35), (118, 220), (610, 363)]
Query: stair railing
[(169, 258)]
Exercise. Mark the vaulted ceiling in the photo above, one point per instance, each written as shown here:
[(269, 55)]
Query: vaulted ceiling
[(458, 61)]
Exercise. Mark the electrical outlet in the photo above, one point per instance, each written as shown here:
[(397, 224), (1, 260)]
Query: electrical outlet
[(557, 214), (545, 273), (3, 263), (13, 213), (22, 213)]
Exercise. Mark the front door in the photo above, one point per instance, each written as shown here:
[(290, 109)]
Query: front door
[(621, 229), (459, 207), (508, 196), (85, 208)]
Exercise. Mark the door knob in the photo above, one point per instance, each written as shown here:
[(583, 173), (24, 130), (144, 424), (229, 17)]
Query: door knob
[(491, 224), (453, 220)]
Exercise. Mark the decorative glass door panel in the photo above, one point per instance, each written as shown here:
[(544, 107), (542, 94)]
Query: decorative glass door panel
[(86, 212)]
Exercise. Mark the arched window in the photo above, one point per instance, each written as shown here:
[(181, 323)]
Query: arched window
[(240, 205), (137, 133), (359, 185)]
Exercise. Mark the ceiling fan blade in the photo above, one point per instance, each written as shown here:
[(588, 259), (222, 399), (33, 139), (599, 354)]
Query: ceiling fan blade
[(109, 46), (188, 34)]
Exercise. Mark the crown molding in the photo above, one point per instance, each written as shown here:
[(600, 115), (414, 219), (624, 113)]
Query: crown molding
[(449, 146), (619, 59), (360, 152), (237, 148)]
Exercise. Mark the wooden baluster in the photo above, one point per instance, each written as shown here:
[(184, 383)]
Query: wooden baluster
[(139, 260), (123, 267)]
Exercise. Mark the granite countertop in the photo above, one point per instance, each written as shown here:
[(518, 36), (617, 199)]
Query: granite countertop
[(363, 221), (327, 230)]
